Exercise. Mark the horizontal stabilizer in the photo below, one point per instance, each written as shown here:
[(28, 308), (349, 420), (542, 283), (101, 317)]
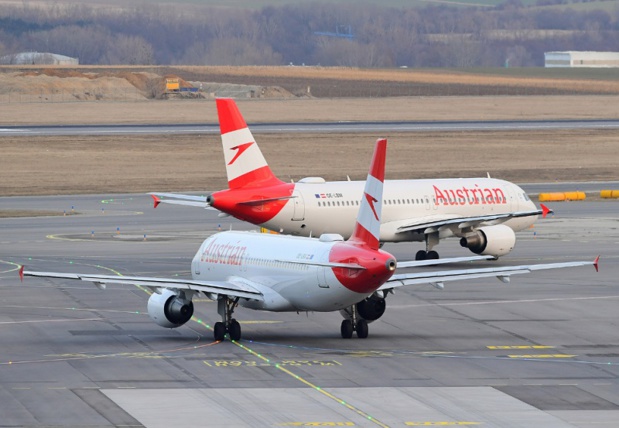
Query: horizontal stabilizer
[(179, 199), (324, 264)]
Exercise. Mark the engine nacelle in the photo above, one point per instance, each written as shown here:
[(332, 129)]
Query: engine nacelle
[(490, 240), (370, 308), (169, 309)]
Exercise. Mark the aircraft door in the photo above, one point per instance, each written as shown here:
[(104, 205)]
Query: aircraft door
[(427, 201), (322, 277), (321, 271), (298, 206)]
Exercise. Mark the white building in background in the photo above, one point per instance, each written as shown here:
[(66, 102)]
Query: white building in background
[(581, 59), (38, 58)]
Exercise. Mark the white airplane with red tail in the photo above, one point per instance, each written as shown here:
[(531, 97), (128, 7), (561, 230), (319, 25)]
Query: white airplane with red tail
[(483, 212), (282, 273)]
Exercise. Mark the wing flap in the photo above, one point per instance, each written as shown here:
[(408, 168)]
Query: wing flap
[(421, 225)]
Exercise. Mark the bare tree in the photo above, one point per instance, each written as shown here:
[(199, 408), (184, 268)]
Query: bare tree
[(129, 50), (435, 35), (236, 51)]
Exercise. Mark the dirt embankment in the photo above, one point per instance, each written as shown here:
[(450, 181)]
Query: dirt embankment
[(76, 85), (56, 84), (72, 85)]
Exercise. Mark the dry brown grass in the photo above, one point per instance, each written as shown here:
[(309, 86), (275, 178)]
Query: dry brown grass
[(28, 213), (316, 110), (112, 164), (116, 164), (407, 76)]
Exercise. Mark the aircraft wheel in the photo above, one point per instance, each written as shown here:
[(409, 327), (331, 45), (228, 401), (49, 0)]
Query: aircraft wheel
[(421, 255), (346, 329), (432, 255), (234, 330), (219, 331), (362, 329)]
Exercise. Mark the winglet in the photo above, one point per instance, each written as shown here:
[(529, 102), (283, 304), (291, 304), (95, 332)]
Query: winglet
[(156, 201), (546, 210), (596, 263), (367, 228), (21, 273)]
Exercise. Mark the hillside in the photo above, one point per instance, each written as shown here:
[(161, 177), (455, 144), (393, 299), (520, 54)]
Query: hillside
[(258, 4), (337, 33)]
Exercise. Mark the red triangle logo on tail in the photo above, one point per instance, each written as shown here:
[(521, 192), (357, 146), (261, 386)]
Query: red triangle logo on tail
[(240, 149), (371, 200)]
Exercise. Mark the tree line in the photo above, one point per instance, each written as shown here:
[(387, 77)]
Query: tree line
[(359, 35)]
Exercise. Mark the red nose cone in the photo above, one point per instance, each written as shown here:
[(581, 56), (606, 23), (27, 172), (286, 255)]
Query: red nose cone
[(378, 267)]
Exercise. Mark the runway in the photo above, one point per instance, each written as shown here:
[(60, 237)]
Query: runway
[(541, 351), (331, 127)]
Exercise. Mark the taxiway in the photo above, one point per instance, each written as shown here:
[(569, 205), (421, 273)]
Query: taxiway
[(304, 127), (541, 351)]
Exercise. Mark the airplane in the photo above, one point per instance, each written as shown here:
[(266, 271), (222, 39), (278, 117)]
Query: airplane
[(484, 213), (283, 273)]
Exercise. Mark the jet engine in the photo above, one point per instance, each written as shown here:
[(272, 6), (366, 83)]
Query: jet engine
[(370, 308), (170, 309), (491, 240)]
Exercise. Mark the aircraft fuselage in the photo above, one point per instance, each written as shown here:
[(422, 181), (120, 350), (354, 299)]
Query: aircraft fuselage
[(292, 273)]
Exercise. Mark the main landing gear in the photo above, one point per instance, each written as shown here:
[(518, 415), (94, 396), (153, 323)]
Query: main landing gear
[(429, 254), (225, 308), (355, 323), (426, 255)]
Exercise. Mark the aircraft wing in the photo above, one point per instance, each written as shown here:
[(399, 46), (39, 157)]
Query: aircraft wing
[(423, 224), (503, 273), (228, 288), (179, 199), (433, 262)]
